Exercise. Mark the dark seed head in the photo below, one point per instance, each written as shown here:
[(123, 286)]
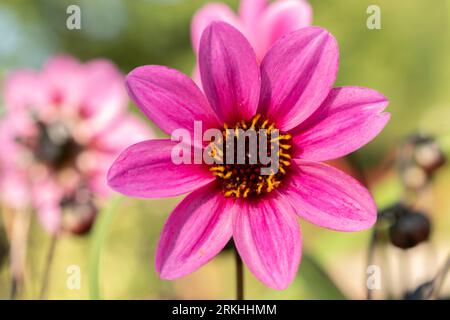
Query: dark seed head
[(410, 229), (79, 212), (394, 212), (54, 146), (429, 155), (422, 292)]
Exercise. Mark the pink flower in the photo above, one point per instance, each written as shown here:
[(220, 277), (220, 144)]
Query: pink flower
[(291, 91), (260, 22), (57, 140)]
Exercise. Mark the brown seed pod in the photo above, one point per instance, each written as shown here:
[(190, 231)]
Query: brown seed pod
[(410, 229)]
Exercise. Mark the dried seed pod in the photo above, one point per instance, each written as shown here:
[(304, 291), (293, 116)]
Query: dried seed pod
[(393, 212), (429, 155), (420, 156), (410, 229), (79, 212), (79, 220), (414, 177), (422, 292)]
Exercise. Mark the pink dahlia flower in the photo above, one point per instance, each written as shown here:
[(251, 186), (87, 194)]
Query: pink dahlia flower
[(292, 91), (260, 22), (62, 129)]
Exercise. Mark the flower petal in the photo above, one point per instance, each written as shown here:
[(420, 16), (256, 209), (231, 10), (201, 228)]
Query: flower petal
[(196, 77), (283, 17), (209, 13), (251, 10), (104, 98), (24, 95), (146, 170), (196, 231), (24, 89), (14, 179), (169, 98), (63, 75), (267, 236), (229, 72), (47, 196), (348, 119), (128, 130), (329, 198), (97, 183), (14, 187), (297, 75)]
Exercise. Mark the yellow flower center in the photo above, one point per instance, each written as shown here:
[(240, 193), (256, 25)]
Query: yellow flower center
[(253, 177)]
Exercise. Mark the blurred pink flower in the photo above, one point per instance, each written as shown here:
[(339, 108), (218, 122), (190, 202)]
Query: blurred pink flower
[(261, 22), (62, 128), (316, 121)]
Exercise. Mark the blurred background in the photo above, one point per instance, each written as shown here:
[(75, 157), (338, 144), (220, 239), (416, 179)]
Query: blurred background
[(407, 60)]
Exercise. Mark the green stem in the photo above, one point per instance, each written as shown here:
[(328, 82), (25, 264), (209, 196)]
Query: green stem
[(47, 267), (99, 234), (239, 276)]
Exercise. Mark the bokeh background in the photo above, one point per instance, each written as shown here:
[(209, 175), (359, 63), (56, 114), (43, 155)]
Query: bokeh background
[(407, 60)]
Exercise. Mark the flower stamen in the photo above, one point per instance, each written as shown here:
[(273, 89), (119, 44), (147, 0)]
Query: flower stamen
[(247, 180)]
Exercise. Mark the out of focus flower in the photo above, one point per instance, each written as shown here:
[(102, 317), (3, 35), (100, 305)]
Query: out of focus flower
[(316, 122), (62, 128), (261, 22)]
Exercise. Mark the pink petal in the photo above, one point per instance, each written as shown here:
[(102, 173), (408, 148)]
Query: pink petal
[(47, 195), (14, 180), (146, 170), (283, 17), (196, 231), (50, 218), (14, 187), (128, 130), (24, 94), (297, 75), (329, 198), (196, 77), (229, 72), (8, 135), (23, 89), (267, 236), (169, 98), (348, 119), (62, 74), (104, 98), (209, 13), (251, 10), (97, 184)]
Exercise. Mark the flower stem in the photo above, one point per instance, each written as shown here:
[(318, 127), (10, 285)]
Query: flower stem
[(99, 234), (14, 288), (18, 234), (439, 280), (47, 267), (371, 256), (239, 276)]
